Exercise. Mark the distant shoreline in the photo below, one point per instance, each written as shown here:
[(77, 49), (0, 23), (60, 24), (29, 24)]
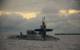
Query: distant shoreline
[(67, 33)]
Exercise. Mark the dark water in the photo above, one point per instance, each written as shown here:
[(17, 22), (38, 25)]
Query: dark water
[(66, 42)]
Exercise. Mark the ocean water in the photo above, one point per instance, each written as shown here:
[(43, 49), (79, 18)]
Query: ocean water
[(65, 42)]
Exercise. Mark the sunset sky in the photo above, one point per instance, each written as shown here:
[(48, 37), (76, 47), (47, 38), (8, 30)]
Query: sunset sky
[(61, 15)]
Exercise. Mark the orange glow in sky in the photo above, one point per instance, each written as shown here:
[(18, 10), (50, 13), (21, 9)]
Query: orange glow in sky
[(25, 15), (32, 14), (68, 12)]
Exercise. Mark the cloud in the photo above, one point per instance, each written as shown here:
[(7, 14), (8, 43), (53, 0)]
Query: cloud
[(47, 8)]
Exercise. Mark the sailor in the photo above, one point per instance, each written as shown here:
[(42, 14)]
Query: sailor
[(21, 35)]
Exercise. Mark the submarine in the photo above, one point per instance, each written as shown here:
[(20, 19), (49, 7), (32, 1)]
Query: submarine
[(39, 33)]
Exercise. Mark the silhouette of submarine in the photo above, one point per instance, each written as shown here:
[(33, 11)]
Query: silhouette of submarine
[(36, 33)]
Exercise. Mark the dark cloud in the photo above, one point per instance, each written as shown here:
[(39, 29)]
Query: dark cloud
[(2, 4)]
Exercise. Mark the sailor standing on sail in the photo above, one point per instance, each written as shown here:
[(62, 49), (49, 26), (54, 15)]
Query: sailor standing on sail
[(43, 28)]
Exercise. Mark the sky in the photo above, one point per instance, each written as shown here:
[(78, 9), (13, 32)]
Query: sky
[(21, 15)]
